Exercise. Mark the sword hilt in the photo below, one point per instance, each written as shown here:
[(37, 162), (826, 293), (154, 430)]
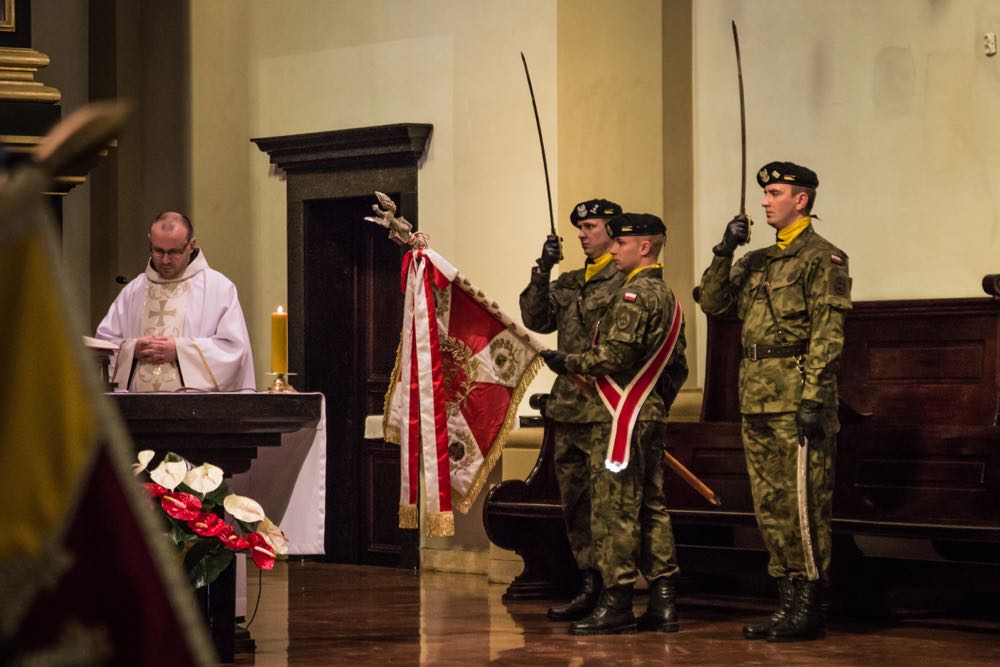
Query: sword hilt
[(557, 239)]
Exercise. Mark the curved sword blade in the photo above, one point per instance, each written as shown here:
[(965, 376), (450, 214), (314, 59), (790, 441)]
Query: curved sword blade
[(541, 142), (743, 124)]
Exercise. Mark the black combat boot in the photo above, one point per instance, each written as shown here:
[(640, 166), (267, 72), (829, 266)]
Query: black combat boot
[(805, 621), (584, 602), (786, 596), (661, 614), (612, 616)]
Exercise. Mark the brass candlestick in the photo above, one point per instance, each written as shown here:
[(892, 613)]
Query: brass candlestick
[(280, 384)]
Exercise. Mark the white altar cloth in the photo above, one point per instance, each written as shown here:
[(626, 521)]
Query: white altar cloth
[(290, 484)]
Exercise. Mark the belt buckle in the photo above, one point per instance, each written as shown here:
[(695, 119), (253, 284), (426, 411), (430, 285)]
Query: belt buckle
[(753, 352)]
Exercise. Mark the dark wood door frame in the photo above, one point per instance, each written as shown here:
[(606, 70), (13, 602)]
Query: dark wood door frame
[(334, 165)]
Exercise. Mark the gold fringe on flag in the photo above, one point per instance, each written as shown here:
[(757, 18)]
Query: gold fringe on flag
[(408, 517), (440, 524), (390, 433)]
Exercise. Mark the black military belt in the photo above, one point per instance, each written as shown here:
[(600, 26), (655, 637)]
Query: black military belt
[(755, 352)]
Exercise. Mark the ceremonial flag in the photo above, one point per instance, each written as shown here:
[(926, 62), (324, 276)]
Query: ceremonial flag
[(462, 367)]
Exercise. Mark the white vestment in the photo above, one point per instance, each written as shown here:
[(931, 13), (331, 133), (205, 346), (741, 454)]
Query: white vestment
[(201, 310)]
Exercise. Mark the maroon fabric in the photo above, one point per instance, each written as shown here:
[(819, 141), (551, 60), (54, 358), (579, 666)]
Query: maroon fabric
[(112, 584)]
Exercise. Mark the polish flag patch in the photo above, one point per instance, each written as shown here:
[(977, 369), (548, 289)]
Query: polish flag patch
[(630, 296), (836, 260)]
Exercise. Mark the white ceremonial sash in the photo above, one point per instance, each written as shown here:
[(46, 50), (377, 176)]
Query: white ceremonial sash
[(625, 404)]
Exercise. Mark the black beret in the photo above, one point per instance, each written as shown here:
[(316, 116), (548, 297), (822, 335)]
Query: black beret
[(787, 172), (594, 208), (635, 224)]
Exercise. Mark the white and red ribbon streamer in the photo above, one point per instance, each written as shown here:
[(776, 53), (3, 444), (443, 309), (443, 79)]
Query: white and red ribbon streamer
[(625, 404), (424, 269)]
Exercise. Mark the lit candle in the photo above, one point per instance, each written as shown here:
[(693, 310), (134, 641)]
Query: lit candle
[(279, 341)]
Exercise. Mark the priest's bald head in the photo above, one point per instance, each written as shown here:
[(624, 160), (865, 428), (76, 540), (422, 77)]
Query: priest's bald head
[(171, 243)]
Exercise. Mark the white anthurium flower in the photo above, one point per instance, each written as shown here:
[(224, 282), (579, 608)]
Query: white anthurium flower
[(245, 509), (274, 536), (145, 456), (169, 474), (204, 478)]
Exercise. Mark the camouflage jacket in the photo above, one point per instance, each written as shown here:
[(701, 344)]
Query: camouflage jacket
[(810, 290), (633, 330), (574, 308)]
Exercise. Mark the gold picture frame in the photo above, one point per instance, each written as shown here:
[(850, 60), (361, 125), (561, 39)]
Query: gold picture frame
[(7, 16)]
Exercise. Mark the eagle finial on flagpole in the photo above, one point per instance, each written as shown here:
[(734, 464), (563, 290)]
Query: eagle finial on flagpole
[(400, 230)]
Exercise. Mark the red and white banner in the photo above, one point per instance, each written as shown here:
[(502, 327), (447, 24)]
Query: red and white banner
[(625, 404), (461, 371)]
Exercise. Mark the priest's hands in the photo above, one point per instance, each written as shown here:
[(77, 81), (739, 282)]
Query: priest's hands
[(156, 349)]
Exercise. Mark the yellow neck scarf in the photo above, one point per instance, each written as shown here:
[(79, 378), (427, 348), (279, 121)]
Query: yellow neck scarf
[(632, 274), (788, 234), (594, 266)]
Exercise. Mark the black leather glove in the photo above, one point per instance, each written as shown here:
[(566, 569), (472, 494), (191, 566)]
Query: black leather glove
[(810, 420), (555, 360), (737, 233), (551, 254)]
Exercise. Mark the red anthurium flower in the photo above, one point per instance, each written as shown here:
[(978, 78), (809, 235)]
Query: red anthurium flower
[(261, 551), (207, 524), (155, 490), (181, 506), (231, 539)]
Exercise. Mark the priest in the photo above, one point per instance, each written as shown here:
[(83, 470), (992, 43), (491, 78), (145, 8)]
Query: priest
[(179, 324)]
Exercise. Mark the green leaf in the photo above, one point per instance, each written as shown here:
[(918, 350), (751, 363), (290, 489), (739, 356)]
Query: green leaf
[(170, 457), (187, 489), (216, 497), (205, 562), (248, 527), (180, 533)]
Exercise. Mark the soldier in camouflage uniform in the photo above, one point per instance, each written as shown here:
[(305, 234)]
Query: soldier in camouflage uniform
[(629, 519), (572, 305), (792, 297)]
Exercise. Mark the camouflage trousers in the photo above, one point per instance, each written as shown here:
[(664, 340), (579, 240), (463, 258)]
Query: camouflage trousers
[(615, 520), (629, 522), (771, 444), (573, 444)]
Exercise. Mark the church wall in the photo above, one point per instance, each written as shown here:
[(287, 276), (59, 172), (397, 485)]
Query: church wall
[(893, 103)]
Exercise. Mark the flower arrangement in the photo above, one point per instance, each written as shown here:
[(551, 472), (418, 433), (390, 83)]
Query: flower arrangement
[(190, 497)]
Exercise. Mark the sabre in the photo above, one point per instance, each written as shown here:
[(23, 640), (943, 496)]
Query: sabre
[(743, 135), (545, 163)]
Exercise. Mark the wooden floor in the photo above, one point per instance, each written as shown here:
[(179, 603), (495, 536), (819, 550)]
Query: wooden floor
[(323, 614)]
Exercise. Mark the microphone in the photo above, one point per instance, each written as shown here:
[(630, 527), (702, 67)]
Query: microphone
[(121, 280)]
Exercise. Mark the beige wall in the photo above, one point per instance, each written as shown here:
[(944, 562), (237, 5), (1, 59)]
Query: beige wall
[(892, 103), (319, 65)]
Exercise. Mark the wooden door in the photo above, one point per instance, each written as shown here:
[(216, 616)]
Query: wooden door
[(353, 313)]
